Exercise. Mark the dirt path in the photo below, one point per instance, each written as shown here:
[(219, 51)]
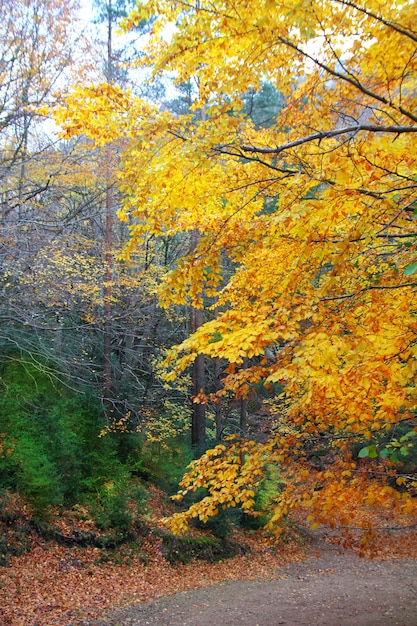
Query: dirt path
[(332, 589)]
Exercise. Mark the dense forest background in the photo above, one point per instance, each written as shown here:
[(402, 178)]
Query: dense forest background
[(207, 256), (85, 416)]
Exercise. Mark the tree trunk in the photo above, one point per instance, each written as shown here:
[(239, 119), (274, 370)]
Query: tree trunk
[(198, 423), (243, 409), (243, 418), (108, 247), (107, 293), (218, 415), (198, 417)]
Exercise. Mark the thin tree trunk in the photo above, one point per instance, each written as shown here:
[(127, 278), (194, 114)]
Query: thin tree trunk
[(198, 418), (198, 424), (243, 417), (108, 246), (243, 410), (107, 294), (218, 414)]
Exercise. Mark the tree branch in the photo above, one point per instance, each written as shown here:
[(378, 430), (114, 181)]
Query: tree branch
[(226, 149), (326, 134), (368, 288), (349, 79), (392, 25)]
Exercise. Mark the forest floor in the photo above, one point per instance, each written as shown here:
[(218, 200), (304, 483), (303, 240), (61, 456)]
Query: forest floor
[(330, 587), (321, 584), (312, 579)]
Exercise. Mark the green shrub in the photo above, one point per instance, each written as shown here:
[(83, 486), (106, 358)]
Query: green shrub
[(36, 476), (165, 464), (266, 495), (223, 524), (51, 451), (117, 503)]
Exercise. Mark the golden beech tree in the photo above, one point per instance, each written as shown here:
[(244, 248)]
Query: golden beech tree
[(307, 237)]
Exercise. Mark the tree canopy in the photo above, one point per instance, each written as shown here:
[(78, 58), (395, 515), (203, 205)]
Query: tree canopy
[(306, 254)]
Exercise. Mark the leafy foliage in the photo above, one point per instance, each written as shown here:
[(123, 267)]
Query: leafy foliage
[(118, 503), (289, 168), (51, 452), (314, 215)]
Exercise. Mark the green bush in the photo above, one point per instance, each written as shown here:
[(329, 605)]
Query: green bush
[(117, 503), (50, 449), (36, 476), (164, 464), (266, 494), (398, 445)]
